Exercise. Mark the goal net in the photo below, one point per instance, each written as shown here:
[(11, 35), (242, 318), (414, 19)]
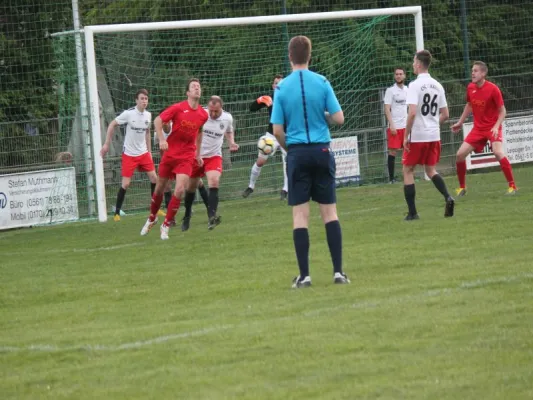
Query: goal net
[(357, 51)]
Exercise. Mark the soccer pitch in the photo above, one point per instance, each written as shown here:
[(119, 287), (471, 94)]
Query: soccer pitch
[(437, 309)]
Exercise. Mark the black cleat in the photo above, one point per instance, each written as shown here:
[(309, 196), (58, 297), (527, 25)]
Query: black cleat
[(450, 205), (185, 224), (411, 217), (213, 222), (299, 282), (340, 278), (247, 192), (283, 195)]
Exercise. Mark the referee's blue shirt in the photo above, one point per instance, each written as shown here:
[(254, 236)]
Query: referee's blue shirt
[(299, 103)]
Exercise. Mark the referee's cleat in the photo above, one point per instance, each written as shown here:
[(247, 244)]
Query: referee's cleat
[(300, 282), (148, 225), (411, 217), (247, 192), (460, 192), (283, 195), (450, 205), (185, 222), (340, 278), (213, 222)]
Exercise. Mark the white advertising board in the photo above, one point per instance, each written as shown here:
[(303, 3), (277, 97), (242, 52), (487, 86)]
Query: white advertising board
[(517, 143), (346, 154), (38, 197)]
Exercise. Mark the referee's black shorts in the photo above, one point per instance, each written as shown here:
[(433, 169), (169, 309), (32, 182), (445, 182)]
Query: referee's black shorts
[(311, 174)]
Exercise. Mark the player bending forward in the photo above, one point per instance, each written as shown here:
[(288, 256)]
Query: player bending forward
[(260, 103), (181, 153), (219, 124)]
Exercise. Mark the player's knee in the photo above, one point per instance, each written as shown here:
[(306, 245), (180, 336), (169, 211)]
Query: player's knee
[(392, 153), (498, 154), (261, 161), (213, 183)]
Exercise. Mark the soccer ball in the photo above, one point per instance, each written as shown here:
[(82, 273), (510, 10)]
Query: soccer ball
[(265, 145)]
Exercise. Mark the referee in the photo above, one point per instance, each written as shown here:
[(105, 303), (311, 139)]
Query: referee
[(306, 104)]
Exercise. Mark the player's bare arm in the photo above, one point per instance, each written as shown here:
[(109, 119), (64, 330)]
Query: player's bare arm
[(466, 112), (411, 114), (388, 115), (230, 137), (199, 146), (148, 141), (502, 112), (444, 115), (279, 133), (158, 126), (110, 131), (335, 119)]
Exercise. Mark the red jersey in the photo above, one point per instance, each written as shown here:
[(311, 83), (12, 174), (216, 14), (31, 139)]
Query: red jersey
[(486, 102), (186, 123)]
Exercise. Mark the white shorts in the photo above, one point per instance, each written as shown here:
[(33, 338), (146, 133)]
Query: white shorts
[(276, 147)]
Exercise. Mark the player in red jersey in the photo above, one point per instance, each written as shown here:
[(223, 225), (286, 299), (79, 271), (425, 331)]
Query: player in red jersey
[(181, 152), (484, 100)]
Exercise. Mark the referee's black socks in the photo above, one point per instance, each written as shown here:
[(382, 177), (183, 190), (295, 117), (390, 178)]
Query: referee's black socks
[(334, 237), (301, 245)]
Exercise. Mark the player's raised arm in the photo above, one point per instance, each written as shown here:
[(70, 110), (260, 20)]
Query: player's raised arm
[(261, 102)]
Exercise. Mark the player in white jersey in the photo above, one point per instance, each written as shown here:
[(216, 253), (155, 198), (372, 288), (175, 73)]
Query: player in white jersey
[(396, 114), (427, 110), (256, 105), (136, 151), (218, 126)]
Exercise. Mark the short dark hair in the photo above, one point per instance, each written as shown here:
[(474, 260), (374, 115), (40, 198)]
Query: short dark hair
[(141, 91), (189, 83), (399, 68), (300, 50), (424, 57), (482, 65), (278, 76), (216, 100)]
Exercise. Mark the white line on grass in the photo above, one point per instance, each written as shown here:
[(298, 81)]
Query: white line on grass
[(215, 329), (92, 250)]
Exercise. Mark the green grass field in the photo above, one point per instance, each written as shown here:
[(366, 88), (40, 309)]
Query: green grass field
[(437, 309)]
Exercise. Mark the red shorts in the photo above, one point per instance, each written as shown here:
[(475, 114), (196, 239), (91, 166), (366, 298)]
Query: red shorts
[(210, 164), (172, 165), (423, 153), (143, 163), (395, 141), (478, 139)]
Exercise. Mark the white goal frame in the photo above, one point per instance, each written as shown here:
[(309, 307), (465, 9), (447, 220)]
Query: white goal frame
[(89, 31)]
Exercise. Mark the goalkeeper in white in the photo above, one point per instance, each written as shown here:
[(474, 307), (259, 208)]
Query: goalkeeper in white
[(260, 103)]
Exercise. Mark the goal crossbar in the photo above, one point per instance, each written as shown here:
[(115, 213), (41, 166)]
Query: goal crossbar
[(89, 31)]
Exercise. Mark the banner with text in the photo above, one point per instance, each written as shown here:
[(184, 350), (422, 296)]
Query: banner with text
[(39, 197), (517, 143), (346, 155)]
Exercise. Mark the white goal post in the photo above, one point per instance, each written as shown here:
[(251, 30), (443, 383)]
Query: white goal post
[(89, 32)]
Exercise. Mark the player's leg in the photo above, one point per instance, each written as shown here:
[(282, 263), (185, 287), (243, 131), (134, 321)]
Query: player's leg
[(213, 180), (285, 190), (167, 194), (299, 196), (152, 176), (394, 143), (126, 181), (432, 158), (324, 193), (203, 193), (256, 168), (190, 194), (505, 165), (472, 142), (155, 203), (410, 159), (182, 182)]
